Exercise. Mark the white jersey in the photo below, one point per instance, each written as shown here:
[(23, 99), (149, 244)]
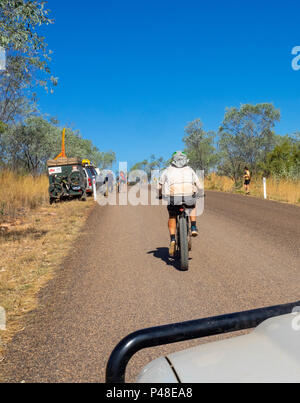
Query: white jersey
[(179, 181)]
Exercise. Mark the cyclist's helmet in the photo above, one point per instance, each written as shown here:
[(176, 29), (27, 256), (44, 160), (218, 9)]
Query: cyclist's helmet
[(179, 159)]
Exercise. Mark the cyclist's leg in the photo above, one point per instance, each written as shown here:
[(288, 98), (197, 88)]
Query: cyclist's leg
[(172, 224), (193, 220), (193, 215)]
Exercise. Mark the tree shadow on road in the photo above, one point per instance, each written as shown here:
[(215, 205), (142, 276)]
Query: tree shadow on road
[(163, 254)]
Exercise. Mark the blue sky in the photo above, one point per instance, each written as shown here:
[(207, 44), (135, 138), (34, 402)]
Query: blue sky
[(133, 73)]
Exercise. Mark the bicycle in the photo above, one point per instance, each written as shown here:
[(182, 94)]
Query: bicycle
[(183, 237), (183, 232)]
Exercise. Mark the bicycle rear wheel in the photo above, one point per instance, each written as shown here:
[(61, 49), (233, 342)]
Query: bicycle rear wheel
[(184, 247)]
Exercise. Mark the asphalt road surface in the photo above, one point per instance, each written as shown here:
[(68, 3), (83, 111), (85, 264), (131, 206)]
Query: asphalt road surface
[(118, 279)]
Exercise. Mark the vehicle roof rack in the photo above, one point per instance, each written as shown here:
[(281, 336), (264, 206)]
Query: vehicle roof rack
[(64, 161)]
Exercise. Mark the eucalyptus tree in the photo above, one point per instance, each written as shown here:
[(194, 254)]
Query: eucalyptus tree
[(199, 146), (246, 136), (27, 55), (28, 145)]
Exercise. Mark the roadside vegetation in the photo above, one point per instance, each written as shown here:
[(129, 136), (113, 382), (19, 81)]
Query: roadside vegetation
[(26, 146), (32, 249), (247, 137), (27, 137), (279, 189), (34, 237), (20, 194)]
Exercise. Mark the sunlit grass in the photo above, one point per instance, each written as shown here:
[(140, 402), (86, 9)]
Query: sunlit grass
[(30, 254), (285, 190), (19, 193)]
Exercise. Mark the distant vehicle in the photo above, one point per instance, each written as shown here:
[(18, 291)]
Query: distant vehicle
[(270, 354), (66, 179)]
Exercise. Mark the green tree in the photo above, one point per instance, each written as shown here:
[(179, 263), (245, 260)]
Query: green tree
[(77, 146), (27, 56), (246, 136), (105, 159), (15, 100), (3, 126), (28, 145), (199, 146), (19, 23), (284, 160), (150, 165), (140, 166)]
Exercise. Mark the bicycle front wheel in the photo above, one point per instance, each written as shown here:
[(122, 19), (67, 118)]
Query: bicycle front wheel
[(184, 246)]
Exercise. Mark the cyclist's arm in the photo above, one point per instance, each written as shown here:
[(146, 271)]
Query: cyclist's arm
[(161, 182), (197, 182), (160, 189)]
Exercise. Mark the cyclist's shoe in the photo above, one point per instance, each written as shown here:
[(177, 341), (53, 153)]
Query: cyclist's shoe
[(172, 248), (194, 231)]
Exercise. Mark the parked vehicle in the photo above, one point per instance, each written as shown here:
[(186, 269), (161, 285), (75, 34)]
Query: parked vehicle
[(66, 179), (90, 174), (271, 353)]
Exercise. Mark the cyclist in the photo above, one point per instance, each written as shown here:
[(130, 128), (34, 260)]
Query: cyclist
[(179, 183)]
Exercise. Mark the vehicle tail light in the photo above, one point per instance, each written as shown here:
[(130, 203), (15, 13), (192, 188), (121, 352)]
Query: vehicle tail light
[(90, 182)]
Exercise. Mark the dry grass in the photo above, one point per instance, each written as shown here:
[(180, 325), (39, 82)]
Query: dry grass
[(31, 250), (221, 183), (280, 190), (20, 193)]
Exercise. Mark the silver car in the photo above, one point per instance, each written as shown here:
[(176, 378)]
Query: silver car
[(90, 174)]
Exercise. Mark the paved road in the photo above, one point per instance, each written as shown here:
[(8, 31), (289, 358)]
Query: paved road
[(121, 280)]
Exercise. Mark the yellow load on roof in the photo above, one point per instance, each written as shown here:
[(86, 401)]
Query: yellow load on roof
[(86, 162)]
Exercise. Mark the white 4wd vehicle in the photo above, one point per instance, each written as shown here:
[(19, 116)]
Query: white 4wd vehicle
[(271, 353), (90, 174)]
